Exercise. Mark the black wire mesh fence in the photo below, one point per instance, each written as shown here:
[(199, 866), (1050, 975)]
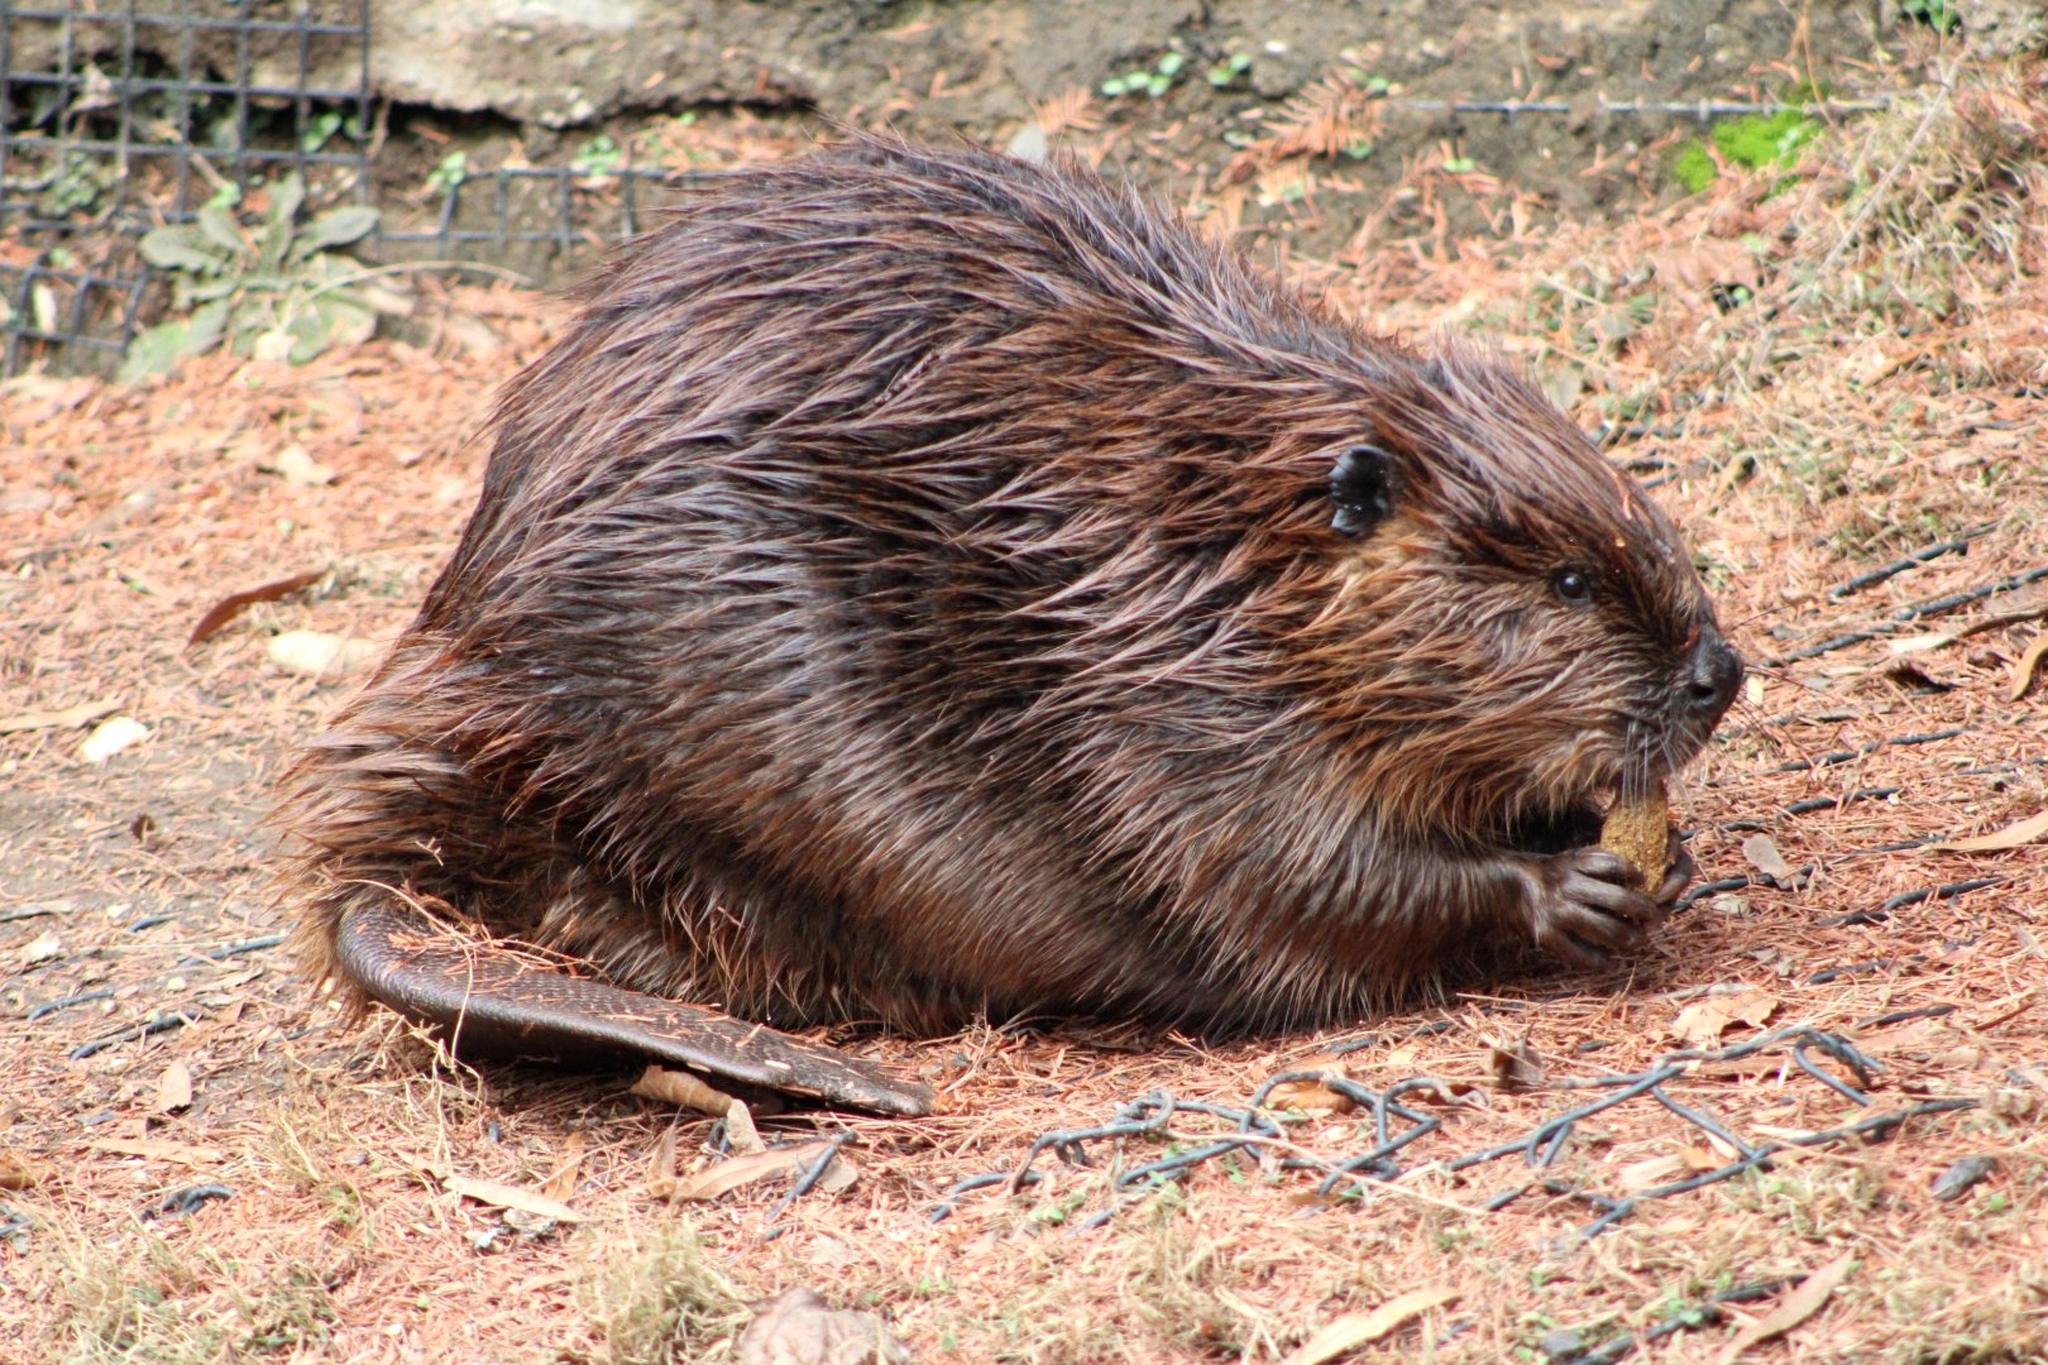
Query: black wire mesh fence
[(123, 115), (116, 118)]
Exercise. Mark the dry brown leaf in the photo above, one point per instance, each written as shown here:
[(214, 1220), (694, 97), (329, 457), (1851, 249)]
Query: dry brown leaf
[(661, 1166), (1694, 268), (159, 1149), (1702, 1023), (727, 1176), (840, 1175), (1313, 1096), (20, 1171), (681, 1088), (297, 467), (561, 1182), (1657, 1170), (2012, 836), (512, 1197), (228, 608), (1517, 1068), (796, 1328), (687, 1090), (1797, 1306), (85, 713), (1762, 854), (1354, 1330), (174, 1088)]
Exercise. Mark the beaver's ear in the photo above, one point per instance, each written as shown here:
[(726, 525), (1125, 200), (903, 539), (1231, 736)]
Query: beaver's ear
[(1361, 490)]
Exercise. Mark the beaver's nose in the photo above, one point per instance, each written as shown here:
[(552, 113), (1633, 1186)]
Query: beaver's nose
[(1716, 673)]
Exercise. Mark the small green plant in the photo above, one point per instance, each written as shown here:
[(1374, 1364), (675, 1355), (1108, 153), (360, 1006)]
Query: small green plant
[(600, 156), (1155, 80), (1758, 142), (81, 180), (321, 128), (1230, 70), (452, 171), (1939, 15), (1694, 167), (273, 289)]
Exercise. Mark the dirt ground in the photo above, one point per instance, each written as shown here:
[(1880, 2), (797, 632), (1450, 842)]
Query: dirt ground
[(1824, 370)]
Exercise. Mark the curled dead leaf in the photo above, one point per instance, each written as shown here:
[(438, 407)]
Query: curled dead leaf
[(1702, 1023), (228, 608), (1313, 1096), (2012, 836), (512, 1197), (727, 1176), (1517, 1067), (1345, 1334), (2024, 668), (1796, 1307), (1762, 854), (70, 718)]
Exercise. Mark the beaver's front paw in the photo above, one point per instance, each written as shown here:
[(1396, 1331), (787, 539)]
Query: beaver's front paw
[(1587, 904)]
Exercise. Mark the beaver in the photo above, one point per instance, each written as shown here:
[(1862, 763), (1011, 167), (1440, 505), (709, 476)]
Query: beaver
[(924, 585)]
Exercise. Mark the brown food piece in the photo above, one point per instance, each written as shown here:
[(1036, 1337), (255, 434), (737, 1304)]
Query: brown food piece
[(1639, 830)]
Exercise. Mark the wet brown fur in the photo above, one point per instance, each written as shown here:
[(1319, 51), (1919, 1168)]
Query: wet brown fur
[(910, 591)]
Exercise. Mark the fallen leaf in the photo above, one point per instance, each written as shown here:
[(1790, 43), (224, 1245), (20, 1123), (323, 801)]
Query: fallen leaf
[(159, 1149), (297, 467), (727, 1176), (661, 1166), (318, 654), (512, 1197), (110, 737), (1920, 644), (1763, 855), (1313, 1096), (85, 713), (796, 1328), (687, 1090), (2023, 670), (1517, 1068), (228, 608), (1702, 1023), (681, 1088), (20, 1171), (561, 1182), (2012, 836), (1353, 1330), (42, 948), (174, 1088), (1799, 1305)]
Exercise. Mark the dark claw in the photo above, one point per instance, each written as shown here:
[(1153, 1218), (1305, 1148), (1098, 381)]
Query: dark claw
[(1589, 906)]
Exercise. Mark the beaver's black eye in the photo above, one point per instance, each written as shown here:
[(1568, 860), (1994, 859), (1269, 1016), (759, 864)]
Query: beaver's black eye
[(1361, 489), (1573, 587)]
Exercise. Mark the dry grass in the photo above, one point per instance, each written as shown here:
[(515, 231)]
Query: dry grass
[(1824, 371)]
